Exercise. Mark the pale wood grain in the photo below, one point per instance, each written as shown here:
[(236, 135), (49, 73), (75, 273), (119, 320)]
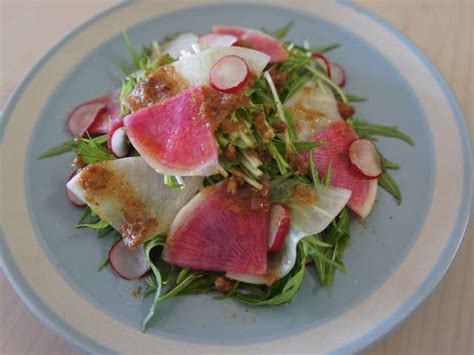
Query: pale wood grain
[(443, 29)]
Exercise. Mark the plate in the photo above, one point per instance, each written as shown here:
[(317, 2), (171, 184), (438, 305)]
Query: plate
[(396, 258)]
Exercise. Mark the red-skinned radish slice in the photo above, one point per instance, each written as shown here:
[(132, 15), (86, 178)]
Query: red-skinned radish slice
[(120, 144), (338, 75), (279, 227), (217, 40), (233, 31), (322, 59), (116, 125), (83, 116), (229, 74), (117, 140), (257, 40), (128, 263), (94, 115), (365, 158), (71, 196)]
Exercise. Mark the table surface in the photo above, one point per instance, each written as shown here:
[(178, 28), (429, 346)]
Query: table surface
[(445, 32)]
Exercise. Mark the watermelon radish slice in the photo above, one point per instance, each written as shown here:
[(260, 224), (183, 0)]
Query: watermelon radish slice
[(279, 226), (71, 196), (176, 136), (195, 68), (365, 158), (217, 40), (335, 153), (229, 74), (179, 44), (220, 231), (312, 210), (128, 263), (338, 75), (312, 110), (257, 40), (94, 115), (131, 196)]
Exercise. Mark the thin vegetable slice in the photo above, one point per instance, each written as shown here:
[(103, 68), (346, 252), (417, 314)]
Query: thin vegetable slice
[(365, 158), (217, 40), (279, 226), (120, 144), (128, 263), (338, 75), (229, 74), (72, 197), (83, 116)]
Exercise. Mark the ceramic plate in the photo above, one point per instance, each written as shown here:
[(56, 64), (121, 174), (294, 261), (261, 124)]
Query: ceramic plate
[(395, 259)]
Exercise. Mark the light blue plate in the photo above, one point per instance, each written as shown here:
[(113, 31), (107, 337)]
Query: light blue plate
[(378, 247)]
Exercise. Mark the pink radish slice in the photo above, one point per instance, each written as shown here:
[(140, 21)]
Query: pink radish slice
[(72, 197), (365, 158), (322, 59), (233, 31), (338, 75), (229, 74), (128, 263), (102, 124), (83, 116), (93, 115), (279, 227), (217, 40)]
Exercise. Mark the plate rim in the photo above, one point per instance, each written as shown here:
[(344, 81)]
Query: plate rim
[(431, 282)]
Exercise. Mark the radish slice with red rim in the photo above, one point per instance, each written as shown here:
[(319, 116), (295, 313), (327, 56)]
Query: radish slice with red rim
[(120, 144), (72, 197), (323, 60), (128, 263), (217, 40), (117, 140), (116, 125), (279, 227), (229, 74), (365, 158), (83, 116), (338, 75)]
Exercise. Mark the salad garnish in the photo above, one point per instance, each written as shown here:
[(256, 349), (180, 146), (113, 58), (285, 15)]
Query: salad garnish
[(230, 162)]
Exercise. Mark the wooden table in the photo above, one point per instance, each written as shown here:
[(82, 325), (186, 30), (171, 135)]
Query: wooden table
[(442, 28)]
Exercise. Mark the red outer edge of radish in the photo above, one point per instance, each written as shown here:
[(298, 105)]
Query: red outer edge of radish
[(357, 169), (325, 61), (238, 86), (70, 195), (116, 125)]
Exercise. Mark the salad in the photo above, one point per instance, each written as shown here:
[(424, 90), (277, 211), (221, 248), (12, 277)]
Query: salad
[(231, 162)]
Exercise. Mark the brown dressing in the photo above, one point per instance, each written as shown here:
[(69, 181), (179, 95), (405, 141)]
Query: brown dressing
[(217, 105), (162, 84), (305, 195)]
